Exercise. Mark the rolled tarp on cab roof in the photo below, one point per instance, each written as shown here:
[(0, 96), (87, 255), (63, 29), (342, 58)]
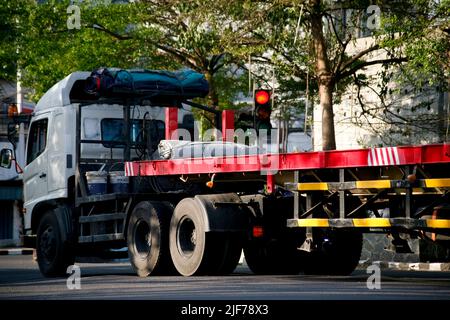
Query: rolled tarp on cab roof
[(114, 82)]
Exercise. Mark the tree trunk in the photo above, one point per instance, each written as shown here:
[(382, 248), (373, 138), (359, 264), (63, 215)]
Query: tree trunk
[(207, 119), (326, 102), (213, 98), (325, 78)]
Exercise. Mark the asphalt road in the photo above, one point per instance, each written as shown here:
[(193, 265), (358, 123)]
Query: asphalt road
[(20, 279)]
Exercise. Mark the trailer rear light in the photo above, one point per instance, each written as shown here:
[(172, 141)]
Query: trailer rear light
[(258, 231)]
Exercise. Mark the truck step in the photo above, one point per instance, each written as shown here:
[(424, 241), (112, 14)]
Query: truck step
[(102, 217), (101, 198), (101, 237)]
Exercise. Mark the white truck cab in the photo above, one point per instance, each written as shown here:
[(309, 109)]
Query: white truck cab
[(51, 146), (78, 143)]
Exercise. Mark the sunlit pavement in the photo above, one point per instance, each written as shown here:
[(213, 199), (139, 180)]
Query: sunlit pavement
[(20, 279)]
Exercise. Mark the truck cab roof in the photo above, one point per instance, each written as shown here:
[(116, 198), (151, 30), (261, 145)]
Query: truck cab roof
[(59, 94), (148, 87)]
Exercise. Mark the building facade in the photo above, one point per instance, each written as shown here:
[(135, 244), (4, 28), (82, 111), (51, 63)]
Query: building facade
[(13, 130)]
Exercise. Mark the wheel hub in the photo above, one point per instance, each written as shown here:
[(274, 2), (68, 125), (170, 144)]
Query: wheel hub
[(194, 237), (143, 238), (187, 237), (47, 244)]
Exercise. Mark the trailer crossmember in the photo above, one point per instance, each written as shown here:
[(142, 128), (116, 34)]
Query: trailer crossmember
[(406, 223)]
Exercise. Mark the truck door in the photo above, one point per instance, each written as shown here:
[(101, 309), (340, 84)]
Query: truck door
[(36, 170), (57, 163)]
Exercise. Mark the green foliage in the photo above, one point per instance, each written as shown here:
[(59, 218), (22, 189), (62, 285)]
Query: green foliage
[(219, 37), (11, 32), (419, 30)]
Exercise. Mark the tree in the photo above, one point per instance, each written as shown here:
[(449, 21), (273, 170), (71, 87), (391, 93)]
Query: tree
[(50, 49), (10, 35), (295, 39), (148, 34), (414, 30), (328, 29)]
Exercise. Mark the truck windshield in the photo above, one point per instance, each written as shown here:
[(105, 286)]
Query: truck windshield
[(113, 130)]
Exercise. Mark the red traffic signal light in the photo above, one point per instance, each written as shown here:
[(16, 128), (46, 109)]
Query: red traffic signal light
[(262, 96), (263, 109)]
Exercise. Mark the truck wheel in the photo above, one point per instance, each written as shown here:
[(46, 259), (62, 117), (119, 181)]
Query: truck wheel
[(225, 252), (233, 251), (187, 239), (53, 253), (148, 237), (272, 257), (195, 251), (338, 253)]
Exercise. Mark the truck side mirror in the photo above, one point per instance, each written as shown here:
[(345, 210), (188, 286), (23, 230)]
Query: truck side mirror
[(6, 157)]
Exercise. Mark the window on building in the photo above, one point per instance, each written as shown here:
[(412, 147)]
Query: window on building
[(37, 139)]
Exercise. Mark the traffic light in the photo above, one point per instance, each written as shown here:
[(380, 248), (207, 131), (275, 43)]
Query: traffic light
[(262, 108)]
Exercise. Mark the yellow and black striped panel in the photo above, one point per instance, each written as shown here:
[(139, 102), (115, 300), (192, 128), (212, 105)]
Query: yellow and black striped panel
[(407, 223), (313, 186), (438, 223), (363, 184), (373, 184), (437, 183)]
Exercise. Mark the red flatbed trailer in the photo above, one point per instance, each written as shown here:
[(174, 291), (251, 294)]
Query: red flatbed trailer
[(270, 165), (401, 191), (287, 212), (337, 159)]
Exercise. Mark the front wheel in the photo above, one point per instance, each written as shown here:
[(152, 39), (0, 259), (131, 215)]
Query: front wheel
[(54, 253)]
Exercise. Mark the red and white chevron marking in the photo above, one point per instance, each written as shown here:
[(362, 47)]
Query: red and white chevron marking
[(383, 156), (129, 170)]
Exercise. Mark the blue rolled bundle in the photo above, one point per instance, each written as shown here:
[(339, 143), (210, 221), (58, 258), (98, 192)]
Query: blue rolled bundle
[(183, 84)]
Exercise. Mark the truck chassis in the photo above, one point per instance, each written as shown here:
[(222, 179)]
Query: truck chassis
[(288, 212)]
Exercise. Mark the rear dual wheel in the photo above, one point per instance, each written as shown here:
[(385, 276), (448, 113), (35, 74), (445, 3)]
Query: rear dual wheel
[(338, 252), (276, 256), (194, 250), (148, 238)]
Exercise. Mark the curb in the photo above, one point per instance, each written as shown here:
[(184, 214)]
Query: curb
[(406, 266), (363, 264), (16, 252)]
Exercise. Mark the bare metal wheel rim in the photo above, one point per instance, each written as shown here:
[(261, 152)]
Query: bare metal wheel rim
[(186, 237), (47, 243), (142, 238)]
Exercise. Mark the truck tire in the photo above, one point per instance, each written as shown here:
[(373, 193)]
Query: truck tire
[(226, 252), (197, 252), (338, 253), (187, 239), (272, 257), (233, 251), (148, 238), (54, 253)]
